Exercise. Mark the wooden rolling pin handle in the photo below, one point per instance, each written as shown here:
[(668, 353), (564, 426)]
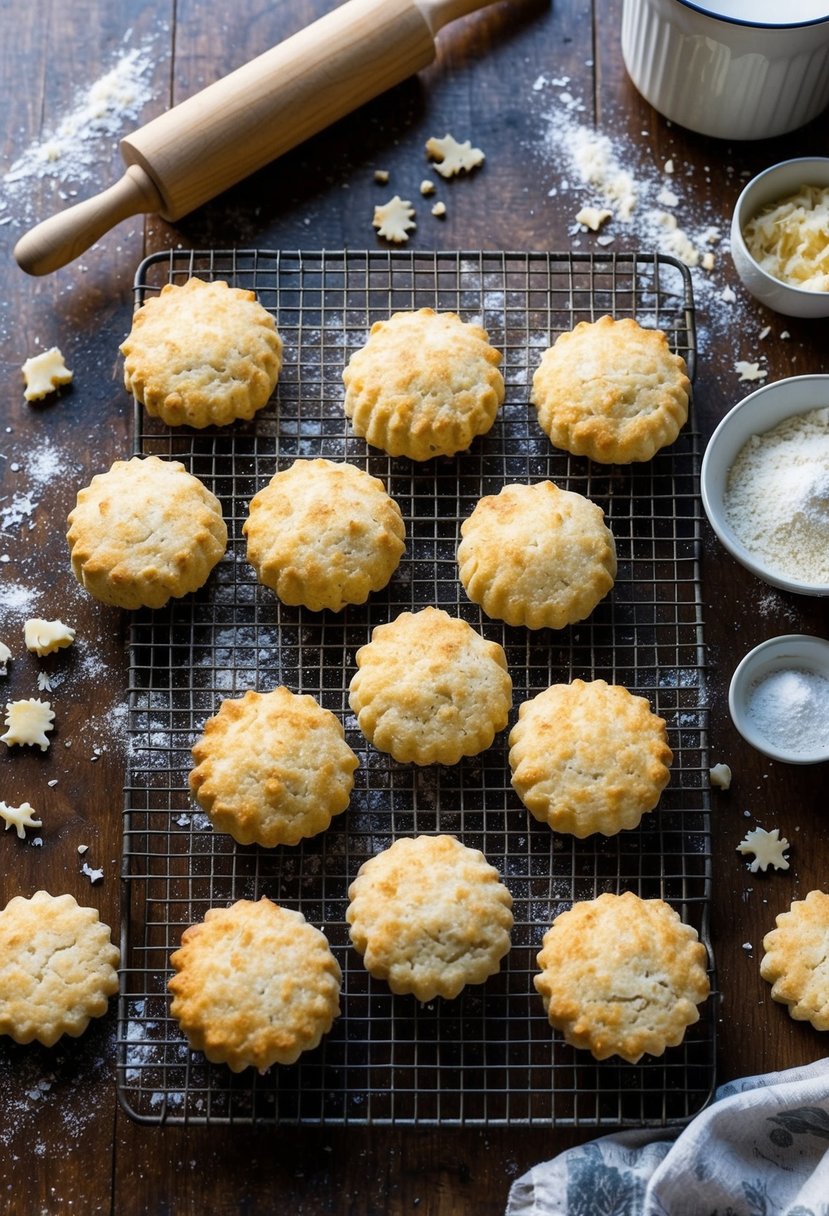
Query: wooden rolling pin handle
[(64, 236)]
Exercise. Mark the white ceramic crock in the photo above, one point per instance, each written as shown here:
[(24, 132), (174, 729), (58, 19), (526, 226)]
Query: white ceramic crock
[(735, 77)]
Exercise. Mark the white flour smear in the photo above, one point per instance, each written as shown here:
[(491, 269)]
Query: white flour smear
[(81, 141), (647, 201)]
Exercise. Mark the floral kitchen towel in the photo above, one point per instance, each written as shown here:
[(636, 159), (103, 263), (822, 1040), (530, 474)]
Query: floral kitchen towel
[(760, 1149)]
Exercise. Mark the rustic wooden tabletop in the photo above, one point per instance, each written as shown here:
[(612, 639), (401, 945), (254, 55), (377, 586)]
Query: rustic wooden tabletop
[(525, 80)]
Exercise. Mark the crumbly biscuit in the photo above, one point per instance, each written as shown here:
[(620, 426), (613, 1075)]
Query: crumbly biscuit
[(430, 915), (324, 535), (429, 689), (272, 768), (255, 985), (589, 757), (795, 962), (620, 975), (536, 555), (612, 391), (425, 384), (57, 968), (144, 532), (202, 354)]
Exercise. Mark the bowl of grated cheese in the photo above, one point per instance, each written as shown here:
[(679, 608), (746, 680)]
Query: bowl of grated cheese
[(764, 483), (780, 237)]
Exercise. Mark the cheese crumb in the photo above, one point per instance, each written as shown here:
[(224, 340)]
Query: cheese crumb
[(749, 371), (764, 332), (394, 219), (5, 656), (768, 849), (720, 775), (44, 373), (27, 722), (669, 166), (44, 637), (439, 209), (381, 175), (667, 198), (453, 157), (82, 848), (92, 875), (427, 186), (593, 217), (19, 817), (708, 261)]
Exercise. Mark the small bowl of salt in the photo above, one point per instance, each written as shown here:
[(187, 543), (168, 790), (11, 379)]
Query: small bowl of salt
[(779, 698), (764, 483)]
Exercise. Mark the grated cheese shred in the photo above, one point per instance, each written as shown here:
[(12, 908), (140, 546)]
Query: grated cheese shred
[(789, 239)]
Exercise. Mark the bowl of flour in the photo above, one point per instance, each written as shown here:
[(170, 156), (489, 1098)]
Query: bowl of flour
[(765, 483)]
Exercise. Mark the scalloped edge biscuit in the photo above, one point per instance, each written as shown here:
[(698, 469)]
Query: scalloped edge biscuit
[(57, 968), (424, 384), (589, 757), (429, 689), (324, 534), (621, 975), (202, 354), (611, 390), (536, 555), (255, 985), (430, 915), (795, 959), (272, 768), (144, 532)]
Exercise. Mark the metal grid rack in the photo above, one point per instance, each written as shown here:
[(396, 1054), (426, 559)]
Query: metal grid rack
[(488, 1057)]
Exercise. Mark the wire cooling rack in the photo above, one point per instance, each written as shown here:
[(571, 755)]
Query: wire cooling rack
[(489, 1056)]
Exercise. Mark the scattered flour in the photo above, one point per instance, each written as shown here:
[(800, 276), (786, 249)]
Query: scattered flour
[(74, 149)]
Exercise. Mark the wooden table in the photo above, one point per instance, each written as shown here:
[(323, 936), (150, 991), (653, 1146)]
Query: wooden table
[(508, 78)]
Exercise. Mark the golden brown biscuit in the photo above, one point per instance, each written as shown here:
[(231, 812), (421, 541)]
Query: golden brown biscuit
[(622, 976), (536, 555), (612, 391), (795, 959), (255, 985), (429, 689), (324, 535), (57, 968), (202, 354), (425, 384), (272, 768), (430, 915), (589, 757), (144, 532)]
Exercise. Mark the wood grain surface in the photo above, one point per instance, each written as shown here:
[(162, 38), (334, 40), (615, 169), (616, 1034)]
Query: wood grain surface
[(507, 78)]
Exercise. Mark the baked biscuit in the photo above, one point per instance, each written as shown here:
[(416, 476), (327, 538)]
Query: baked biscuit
[(144, 532), (429, 689), (272, 768), (425, 384), (202, 354), (57, 968), (430, 915), (795, 962), (324, 535), (620, 975), (536, 555), (589, 757), (255, 985), (612, 391)]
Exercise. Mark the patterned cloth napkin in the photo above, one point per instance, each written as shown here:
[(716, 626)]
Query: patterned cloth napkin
[(759, 1149)]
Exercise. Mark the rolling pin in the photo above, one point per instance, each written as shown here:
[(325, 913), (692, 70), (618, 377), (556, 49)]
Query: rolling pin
[(220, 135)]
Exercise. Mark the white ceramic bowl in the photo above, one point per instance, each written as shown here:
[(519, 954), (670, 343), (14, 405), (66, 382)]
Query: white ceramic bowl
[(757, 412), (707, 67), (789, 652), (767, 187)]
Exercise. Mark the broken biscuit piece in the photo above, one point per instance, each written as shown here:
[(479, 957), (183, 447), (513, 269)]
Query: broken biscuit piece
[(381, 176), (44, 637), (453, 157), (19, 817), (44, 373), (5, 656), (27, 723), (439, 209), (593, 217), (394, 219)]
